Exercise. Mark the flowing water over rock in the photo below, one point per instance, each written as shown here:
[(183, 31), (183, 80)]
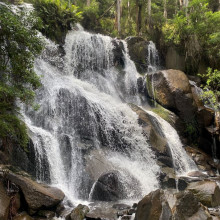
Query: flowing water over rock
[(84, 133), (82, 110), (182, 163)]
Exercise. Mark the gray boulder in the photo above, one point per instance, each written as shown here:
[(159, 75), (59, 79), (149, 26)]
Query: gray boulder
[(108, 187), (207, 192), (79, 212)]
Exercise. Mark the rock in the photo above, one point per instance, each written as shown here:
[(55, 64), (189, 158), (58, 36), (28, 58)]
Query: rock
[(138, 51), (122, 212), (153, 207), (126, 217), (36, 195), (201, 214), (186, 205), (131, 211), (174, 59), (46, 214), (207, 192), (118, 59), (23, 216), (197, 174), (152, 130), (203, 160), (121, 206), (79, 212), (101, 211), (108, 187), (173, 91), (4, 203)]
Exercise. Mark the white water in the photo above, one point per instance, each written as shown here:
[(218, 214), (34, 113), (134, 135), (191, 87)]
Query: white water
[(182, 163), (82, 108), (153, 63)]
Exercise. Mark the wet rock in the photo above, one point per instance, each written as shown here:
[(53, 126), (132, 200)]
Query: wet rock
[(121, 206), (186, 206), (79, 212), (4, 203), (151, 207), (197, 174), (108, 187), (126, 217), (138, 51), (46, 214), (203, 160), (207, 192), (23, 216), (122, 212), (173, 91), (118, 59), (99, 213), (36, 195), (131, 211), (152, 130)]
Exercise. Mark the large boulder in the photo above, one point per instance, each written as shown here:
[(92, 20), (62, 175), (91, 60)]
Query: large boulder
[(36, 195), (153, 132), (79, 212), (138, 51), (207, 192), (4, 203), (153, 207), (108, 187), (172, 90)]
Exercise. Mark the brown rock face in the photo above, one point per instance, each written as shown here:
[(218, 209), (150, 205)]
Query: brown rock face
[(37, 195), (153, 207), (4, 203), (207, 192), (172, 90)]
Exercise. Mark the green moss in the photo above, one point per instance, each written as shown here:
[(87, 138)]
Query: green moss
[(163, 113)]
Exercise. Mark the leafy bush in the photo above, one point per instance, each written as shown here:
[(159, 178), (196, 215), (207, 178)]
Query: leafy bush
[(19, 44), (211, 94), (57, 17)]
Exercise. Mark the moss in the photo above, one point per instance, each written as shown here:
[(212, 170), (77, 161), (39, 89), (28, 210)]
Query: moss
[(163, 113)]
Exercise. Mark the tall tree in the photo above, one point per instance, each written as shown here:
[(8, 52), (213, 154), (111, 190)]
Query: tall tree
[(165, 9), (118, 11)]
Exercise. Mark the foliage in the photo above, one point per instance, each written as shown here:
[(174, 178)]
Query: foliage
[(191, 130), (19, 44), (57, 17), (211, 94), (196, 30)]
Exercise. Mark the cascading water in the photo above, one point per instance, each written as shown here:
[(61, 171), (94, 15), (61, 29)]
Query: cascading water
[(182, 163), (153, 60), (82, 111), (153, 64)]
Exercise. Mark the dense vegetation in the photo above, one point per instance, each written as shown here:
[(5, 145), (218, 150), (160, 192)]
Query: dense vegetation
[(19, 44)]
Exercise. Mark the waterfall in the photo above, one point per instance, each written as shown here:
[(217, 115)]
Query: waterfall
[(83, 111), (153, 63), (182, 163)]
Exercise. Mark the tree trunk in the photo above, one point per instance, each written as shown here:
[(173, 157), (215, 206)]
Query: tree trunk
[(118, 10), (138, 16), (165, 9), (149, 11), (88, 3)]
